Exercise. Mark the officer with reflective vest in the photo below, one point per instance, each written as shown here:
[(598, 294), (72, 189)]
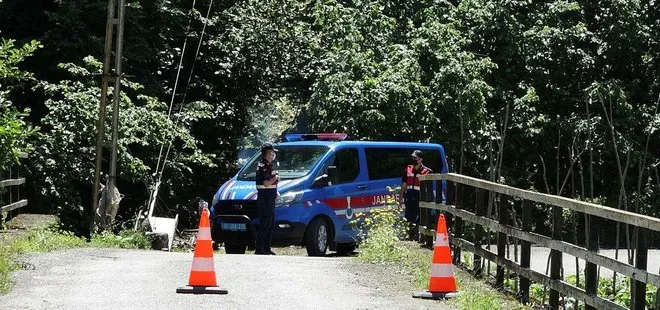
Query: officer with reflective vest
[(410, 189), (266, 179)]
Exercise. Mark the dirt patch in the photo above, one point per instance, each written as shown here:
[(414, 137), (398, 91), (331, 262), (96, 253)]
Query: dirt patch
[(29, 221), (393, 280), (11, 234), (20, 224), (383, 276)]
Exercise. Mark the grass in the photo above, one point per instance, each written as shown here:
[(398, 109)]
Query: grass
[(382, 244), (47, 239), (416, 261), (126, 239), (380, 238), (477, 294), (474, 294)]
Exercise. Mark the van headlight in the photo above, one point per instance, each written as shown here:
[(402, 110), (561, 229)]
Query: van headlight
[(288, 198)]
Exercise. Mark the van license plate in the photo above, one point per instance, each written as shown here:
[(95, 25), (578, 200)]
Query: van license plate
[(233, 226)]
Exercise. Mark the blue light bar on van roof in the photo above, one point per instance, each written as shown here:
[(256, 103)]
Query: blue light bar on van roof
[(330, 136)]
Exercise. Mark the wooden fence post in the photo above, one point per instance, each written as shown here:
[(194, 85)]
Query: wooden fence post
[(479, 210), (555, 255), (591, 270), (638, 289), (426, 192), (525, 251), (501, 239), (451, 200), (458, 224)]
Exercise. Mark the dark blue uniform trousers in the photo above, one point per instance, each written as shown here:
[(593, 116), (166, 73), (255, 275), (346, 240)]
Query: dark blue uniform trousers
[(412, 210), (266, 205)]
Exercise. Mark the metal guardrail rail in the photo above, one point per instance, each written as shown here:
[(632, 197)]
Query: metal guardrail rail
[(457, 212)]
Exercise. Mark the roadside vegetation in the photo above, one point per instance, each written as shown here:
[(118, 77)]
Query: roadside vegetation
[(556, 96), (382, 241), (47, 239)]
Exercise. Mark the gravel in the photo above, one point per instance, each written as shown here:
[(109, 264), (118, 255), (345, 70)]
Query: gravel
[(111, 279)]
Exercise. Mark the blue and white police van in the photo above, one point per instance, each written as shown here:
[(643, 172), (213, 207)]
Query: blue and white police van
[(324, 181)]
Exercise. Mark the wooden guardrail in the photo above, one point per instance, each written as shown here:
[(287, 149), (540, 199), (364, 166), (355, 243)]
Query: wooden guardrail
[(10, 194), (457, 212)]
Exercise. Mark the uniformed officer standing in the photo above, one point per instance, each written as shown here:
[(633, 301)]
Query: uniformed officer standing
[(267, 179), (410, 190)]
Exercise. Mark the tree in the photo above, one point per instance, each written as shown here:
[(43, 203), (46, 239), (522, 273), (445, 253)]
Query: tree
[(64, 163), (14, 130)]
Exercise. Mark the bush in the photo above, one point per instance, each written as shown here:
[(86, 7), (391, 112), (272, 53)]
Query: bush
[(380, 231), (126, 239), (14, 130)]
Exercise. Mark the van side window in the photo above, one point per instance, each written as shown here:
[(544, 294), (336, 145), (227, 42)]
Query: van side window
[(386, 163), (347, 162)]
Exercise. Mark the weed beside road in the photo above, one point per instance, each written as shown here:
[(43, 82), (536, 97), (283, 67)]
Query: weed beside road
[(382, 243), (50, 239)]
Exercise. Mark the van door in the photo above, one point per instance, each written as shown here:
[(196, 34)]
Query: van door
[(385, 167), (348, 196)]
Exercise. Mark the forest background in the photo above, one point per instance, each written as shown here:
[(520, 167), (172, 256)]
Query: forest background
[(556, 96)]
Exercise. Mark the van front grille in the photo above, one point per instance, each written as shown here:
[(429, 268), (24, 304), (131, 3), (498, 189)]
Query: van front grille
[(237, 207)]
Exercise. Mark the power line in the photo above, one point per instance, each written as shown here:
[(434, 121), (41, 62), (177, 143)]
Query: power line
[(159, 174), (185, 93), (176, 81)]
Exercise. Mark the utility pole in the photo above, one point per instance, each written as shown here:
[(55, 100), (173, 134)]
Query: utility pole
[(112, 58)]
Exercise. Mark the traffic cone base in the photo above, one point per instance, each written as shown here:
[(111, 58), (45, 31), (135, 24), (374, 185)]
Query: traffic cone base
[(441, 282), (201, 290), (429, 295), (202, 278)]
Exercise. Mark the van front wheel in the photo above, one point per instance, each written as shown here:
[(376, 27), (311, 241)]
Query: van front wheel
[(317, 236)]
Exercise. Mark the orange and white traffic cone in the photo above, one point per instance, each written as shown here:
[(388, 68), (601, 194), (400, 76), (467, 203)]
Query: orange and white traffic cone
[(202, 274), (441, 283)]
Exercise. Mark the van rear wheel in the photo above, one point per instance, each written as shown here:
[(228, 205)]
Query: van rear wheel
[(317, 236)]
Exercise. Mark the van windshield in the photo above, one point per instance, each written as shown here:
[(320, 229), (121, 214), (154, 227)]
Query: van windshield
[(292, 162)]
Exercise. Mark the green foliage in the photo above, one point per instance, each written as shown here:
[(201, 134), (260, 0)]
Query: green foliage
[(380, 231), (476, 295), (620, 295), (213, 101), (7, 265), (46, 240), (14, 130), (10, 57), (66, 150), (126, 239), (409, 71), (14, 134), (534, 79)]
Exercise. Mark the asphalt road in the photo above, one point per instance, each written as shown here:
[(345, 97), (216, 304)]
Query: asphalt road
[(130, 279)]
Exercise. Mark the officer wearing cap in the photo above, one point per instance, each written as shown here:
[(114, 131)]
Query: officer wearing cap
[(410, 189), (266, 179)]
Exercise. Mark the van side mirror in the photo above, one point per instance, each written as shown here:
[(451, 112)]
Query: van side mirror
[(327, 179), (333, 178), (320, 181)]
